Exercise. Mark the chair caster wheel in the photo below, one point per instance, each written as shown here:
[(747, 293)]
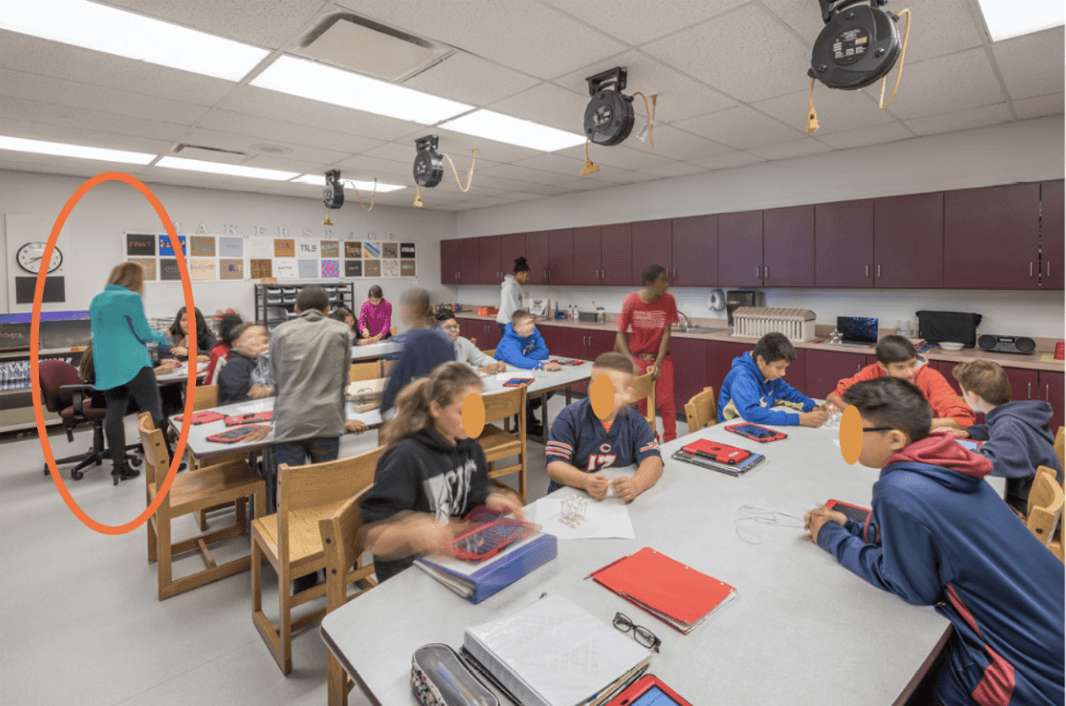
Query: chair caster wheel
[(76, 475)]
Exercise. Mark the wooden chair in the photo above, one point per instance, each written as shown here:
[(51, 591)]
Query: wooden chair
[(500, 443), (292, 542), (1045, 505), (1060, 448), (386, 367), (344, 547), (473, 339), (392, 331), (206, 398), (644, 390), (364, 371), (702, 410), (231, 482), (490, 352)]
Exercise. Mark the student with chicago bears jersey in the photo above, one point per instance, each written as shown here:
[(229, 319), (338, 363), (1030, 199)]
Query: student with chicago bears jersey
[(580, 444)]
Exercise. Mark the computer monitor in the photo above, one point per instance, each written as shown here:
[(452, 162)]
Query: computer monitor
[(858, 330)]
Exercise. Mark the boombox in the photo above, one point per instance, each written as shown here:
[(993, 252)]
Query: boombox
[(1007, 344)]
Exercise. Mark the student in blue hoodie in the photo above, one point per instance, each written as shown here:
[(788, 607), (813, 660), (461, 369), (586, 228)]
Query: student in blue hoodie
[(755, 384), (523, 347), (424, 346), (940, 536), (1016, 435)]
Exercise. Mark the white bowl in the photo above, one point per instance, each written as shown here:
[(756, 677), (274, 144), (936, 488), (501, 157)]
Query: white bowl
[(950, 346)]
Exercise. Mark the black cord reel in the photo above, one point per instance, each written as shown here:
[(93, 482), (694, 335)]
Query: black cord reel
[(428, 168), (609, 115), (333, 194), (859, 44)]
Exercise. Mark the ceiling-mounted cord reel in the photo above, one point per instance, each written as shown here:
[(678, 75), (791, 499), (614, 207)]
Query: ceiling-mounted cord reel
[(609, 115), (428, 168), (333, 194), (859, 44)]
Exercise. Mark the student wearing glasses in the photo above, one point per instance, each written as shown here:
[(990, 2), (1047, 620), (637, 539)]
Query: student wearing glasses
[(465, 351)]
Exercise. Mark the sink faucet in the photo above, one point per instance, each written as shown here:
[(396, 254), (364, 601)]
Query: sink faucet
[(688, 321)]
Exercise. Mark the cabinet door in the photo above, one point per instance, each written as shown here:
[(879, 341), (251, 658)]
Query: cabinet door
[(652, 245), (720, 355), (1051, 390), (554, 338), (586, 256), (825, 369), (788, 247), (992, 237), (511, 247), (537, 255), (491, 337), (489, 259), (469, 265), (561, 256), (616, 254), (690, 370), (740, 249), (695, 251), (598, 342), (1052, 235), (844, 244), (909, 241), (449, 261), (796, 375)]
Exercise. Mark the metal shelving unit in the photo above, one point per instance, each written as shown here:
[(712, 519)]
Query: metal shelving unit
[(274, 303)]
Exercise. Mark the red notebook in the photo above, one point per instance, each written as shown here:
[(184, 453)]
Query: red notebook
[(674, 593)]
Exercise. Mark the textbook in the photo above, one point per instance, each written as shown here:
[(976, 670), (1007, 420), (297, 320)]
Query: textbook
[(555, 653), (479, 580)]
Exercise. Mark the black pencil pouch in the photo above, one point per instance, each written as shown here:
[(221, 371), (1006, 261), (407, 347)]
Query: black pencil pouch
[(440, 678)]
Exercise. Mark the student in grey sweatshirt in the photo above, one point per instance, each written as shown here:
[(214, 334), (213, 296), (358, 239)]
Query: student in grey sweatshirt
[(512, 298), (465, 351)]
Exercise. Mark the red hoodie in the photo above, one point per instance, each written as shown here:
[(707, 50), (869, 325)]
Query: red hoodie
[(940, 448), (936, 390)]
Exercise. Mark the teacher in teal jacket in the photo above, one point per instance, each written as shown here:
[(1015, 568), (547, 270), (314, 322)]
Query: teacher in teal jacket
[(123, 366)]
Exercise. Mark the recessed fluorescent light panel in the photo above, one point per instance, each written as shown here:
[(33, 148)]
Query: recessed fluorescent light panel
[(196, 165), (107, 29), (59, 149), (514, 131), (349, 90), (1011, 18), (320, 181)]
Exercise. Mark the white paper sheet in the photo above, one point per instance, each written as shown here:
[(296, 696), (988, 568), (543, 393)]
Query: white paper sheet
[(603, 518)]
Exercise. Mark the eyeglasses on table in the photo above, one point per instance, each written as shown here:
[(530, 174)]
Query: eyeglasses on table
[(641, 634)]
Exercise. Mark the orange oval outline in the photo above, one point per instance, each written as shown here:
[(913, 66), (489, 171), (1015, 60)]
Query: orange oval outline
[(38, 410)]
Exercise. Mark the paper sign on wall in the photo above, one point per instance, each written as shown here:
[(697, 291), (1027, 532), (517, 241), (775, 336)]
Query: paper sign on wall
[(304, 249), (372, 268), (353, 248), (390, 268), (407, 250), (285, 268), (390, 250), (407, 268), (148, 263), (203, 246), (331, 268), (285, 248), (231, 269), (308, 269), (201, 269), (168, 270), (330, 248), (164, 246), (353, 268), (140, 245), (231, 247), (260, 248), (371, 249), (262, 268)]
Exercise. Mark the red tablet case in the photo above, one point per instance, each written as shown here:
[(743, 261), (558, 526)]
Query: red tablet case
[(642, 686), (204, 416), (240, 419), (518, 382), (775, 434), (654, 581), (251, 427), (722, 453)]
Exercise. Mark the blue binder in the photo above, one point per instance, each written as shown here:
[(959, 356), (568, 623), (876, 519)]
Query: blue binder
[(476, 582)]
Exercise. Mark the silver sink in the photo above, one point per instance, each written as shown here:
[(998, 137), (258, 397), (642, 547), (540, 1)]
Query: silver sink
[(694, 329)]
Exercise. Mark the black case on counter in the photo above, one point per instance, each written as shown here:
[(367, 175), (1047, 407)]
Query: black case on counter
[(951, 326)]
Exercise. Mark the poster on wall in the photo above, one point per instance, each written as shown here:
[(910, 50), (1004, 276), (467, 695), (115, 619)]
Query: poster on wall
[(54, 290), (353, 268), (407, 250), (231, 247), (260, 248), (231, 269), (201, 269), (372, 268), (307, 249), (407, 268), (390, 268), (261, 268), (285, 248), (390, 250), (331, 248), (308, 269), (371, 248), (164, 246), (285, 268), (168, 269), (138, 245), (148, 263), (203, 246), (331, 269), (353, 248)]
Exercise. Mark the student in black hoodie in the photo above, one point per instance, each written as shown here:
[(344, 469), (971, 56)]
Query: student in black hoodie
[(429, 473), (236, 381)]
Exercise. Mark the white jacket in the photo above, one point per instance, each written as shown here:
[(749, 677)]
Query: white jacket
[(512, 298)]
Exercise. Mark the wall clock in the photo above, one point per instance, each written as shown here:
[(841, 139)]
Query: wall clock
[(29, 257)]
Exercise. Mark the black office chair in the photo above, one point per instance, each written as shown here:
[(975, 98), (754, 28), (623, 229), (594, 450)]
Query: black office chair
[(65, 393)]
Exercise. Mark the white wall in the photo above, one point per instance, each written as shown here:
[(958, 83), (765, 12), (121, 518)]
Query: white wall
[(1024, 151), (97, 224)]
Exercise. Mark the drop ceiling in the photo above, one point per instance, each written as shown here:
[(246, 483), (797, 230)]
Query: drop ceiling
[(725, 99)]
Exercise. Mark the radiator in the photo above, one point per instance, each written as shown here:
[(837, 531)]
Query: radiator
[(754, 322)]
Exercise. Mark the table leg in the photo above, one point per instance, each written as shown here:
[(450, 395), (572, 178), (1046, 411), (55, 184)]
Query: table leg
[(544, 417), (568, 392)]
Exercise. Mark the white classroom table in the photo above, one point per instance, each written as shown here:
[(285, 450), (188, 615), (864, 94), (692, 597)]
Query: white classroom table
[(180, 373), (801, 631), (375, 350)]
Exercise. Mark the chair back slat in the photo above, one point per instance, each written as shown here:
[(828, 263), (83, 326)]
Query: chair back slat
[(702, 410), (501, 405), (343, 544), (644, 389), (206, 397), (156, 458), (1060, 448), (1045, 505), (491, 352)]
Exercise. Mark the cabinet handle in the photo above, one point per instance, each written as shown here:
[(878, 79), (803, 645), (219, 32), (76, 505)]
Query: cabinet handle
[(765, 272), (867, 271), (1030, 393), (675, 273), (756, 272), (858, 368), (1047, 392), (1030, 270), (878, 272), (1049, 268)]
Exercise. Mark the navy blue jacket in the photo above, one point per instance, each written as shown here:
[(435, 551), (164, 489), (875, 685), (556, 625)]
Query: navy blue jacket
[(746, 394), (423, 350), (940, 536)]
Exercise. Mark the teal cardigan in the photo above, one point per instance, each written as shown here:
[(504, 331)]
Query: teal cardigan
[(120, 332)]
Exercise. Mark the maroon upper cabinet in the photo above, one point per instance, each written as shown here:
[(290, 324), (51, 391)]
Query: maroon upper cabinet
[(844, 244), (561, 256), (992, 237), (489, 259), (1052, 236), (909, 241), (616, 254), (740, 249), (652, 245), (511, 248), (788, 247), (468, 264), (695, 251), (586, 268), (537, 255), (449, 261)]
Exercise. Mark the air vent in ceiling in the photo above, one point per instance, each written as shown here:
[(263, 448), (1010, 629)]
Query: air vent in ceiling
[(211, 154), (357, 44)]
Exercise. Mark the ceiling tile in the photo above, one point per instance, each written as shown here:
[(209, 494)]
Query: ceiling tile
[(837, 110), (396, 151), (40, 56), (50, 164), (552, 163), (938, 29), (243, 20), (526, 36), (867, 136), (680, 97), (740, 127), (81, 136), (1032, 65), (638, 157), (273, 131), (948, 83), (1039, 107), (286, 164), (460, 146), (803, 17), (728, 160), (470, 79), (788, 150), (723, 53), (961, 120), (677, 144), (613, 176), (363, 166), (675, 169), (243, 143), (524, 174), (650, 20), (547, 104), (70, 116)]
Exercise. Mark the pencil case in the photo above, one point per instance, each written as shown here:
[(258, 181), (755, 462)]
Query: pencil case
[(440, 678)]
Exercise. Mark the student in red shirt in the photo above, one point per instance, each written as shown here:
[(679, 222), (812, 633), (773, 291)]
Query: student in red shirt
[(650, 313)]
